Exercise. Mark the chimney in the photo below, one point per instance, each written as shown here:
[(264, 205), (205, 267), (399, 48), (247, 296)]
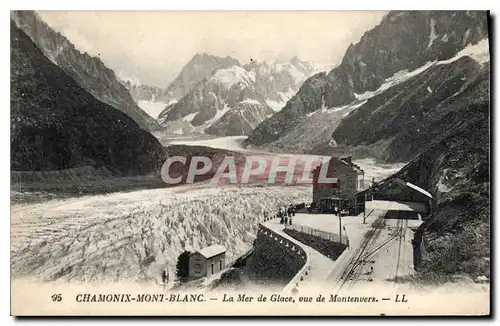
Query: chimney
[(349, 159)]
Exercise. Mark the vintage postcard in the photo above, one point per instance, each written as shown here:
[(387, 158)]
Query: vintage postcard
[(218, 163)]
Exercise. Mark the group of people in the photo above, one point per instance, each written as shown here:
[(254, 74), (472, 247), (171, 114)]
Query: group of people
[(286, 213)]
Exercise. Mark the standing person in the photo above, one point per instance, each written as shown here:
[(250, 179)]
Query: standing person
[(164, 278)]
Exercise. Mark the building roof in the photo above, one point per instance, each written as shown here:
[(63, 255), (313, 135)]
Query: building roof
[(342, 160), (394, 205), (211, 251), (417, 188), (399, 181), (356, 167)]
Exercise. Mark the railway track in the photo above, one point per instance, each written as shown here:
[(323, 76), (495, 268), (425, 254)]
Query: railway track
[(359, 251), (402, 242), (369, 247), (359, 257)]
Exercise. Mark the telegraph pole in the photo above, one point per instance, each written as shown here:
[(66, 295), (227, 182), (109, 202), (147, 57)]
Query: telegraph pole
[(364, 210), (340, 226)]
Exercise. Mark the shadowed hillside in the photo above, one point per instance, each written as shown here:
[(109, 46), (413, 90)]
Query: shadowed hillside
[(56, 124)]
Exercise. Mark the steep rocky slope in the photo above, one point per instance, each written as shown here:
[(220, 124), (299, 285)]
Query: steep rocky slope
[(241, 119), (225, 92), (456, 169), (313, 133), (402, 121), (56, 124), (308, 99), (88, 72), (402, 41), (452, 148)]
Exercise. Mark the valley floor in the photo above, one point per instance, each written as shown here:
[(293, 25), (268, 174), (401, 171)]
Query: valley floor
[(373, 169), (229, 143), (137, 234)]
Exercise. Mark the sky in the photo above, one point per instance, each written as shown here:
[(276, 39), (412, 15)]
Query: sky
[(151, 47)]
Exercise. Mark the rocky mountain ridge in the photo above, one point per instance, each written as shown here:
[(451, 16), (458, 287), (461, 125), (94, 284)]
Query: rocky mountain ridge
[(89, 72), (56, 124), (402, 41)]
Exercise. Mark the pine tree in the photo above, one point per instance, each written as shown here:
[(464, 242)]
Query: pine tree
[(182, 267)]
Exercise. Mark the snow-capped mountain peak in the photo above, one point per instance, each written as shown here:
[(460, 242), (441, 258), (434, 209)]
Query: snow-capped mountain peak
[(235, 98), (234, 75)]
